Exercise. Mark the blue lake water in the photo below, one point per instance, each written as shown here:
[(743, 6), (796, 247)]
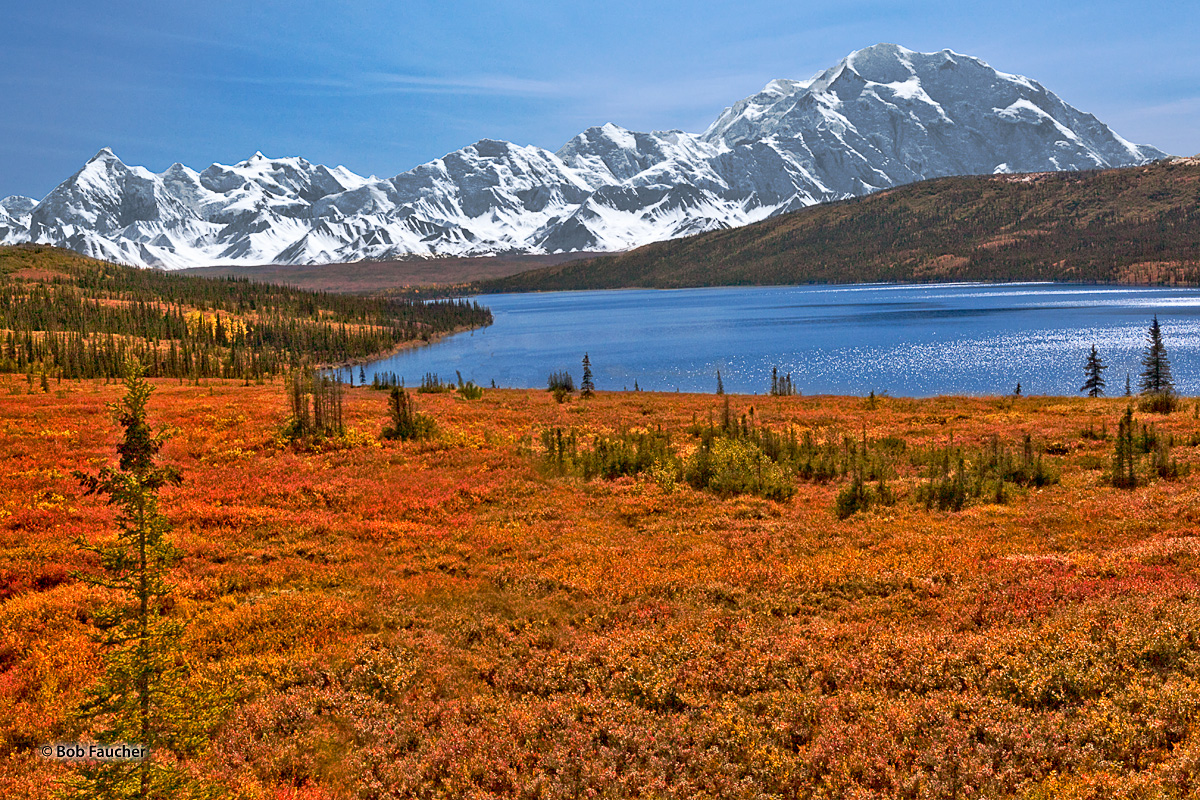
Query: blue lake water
[(903, 340)]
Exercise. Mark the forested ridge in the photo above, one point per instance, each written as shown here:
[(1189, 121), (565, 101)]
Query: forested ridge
[(67, 316), (1139, 225)]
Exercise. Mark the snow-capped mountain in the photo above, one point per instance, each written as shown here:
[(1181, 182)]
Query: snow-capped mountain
[(881, 117)]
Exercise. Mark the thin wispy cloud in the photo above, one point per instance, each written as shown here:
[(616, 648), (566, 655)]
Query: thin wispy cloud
[(390, 83), (274, 81), (478, 84)]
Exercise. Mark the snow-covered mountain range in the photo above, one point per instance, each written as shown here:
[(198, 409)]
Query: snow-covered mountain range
[(881, 117)]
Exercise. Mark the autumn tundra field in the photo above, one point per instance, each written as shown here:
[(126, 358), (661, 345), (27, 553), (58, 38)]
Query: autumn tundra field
[(625, 595)]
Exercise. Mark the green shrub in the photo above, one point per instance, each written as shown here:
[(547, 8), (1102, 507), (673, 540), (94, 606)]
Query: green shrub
[(1158, 403), (406, 422), (611, 457), (736, 466), (1163, 464), (955, 476), (852, 498), (468, 389)]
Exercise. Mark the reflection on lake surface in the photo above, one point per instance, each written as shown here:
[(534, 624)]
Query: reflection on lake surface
[(904, 340)]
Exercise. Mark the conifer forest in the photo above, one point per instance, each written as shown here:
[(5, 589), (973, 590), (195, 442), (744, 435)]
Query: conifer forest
[(66, 316)]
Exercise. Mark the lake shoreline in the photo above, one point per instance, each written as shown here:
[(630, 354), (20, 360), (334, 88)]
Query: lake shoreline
[(1121, 284), (904, 340)]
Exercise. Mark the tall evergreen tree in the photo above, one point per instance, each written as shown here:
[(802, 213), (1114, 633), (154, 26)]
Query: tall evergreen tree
[(1156, 370), (586, 387), (1157, 385), (720, 385), (1094, 369), (142, 696)]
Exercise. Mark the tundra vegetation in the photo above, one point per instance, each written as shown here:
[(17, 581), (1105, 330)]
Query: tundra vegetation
[(669, 595), (641, 594)]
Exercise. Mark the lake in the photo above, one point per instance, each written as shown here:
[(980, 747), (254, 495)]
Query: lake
[(903, 340)]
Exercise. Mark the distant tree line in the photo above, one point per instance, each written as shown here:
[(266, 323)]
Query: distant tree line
[(86, 319)]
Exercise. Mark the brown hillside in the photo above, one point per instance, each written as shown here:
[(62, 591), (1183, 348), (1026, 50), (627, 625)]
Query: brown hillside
[(1134, 225)]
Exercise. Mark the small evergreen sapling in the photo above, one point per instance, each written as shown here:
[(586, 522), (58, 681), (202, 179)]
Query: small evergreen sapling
[(1123, 474), (781, 386), (468, 389)]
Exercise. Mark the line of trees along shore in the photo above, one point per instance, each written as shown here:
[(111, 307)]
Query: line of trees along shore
[(66, 316)]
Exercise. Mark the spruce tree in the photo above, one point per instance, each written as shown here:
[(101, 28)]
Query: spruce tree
[(720, 386), (1093, 369), (1156, 381), (586, 387), (1156, 370), (142, 697)]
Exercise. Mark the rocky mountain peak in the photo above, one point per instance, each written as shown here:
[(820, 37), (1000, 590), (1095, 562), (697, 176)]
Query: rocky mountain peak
[(880, 117)]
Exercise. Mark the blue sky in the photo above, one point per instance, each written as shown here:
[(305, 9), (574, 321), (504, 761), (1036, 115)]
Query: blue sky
[(383, 86)]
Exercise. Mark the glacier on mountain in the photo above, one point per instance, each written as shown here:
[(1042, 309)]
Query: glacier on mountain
[(881, 117)]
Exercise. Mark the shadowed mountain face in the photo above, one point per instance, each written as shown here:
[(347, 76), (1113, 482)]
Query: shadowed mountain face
[(882, 117)]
